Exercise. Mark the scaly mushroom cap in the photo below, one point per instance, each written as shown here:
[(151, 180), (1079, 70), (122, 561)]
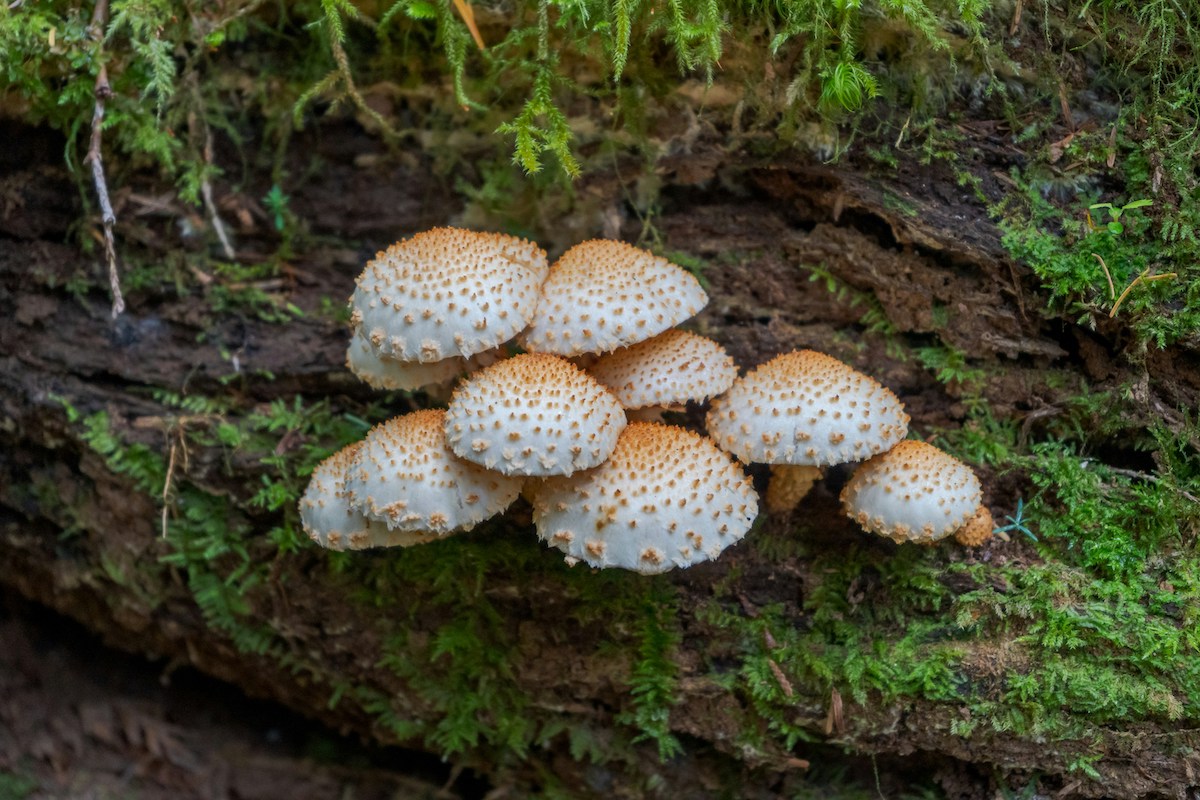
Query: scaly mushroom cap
[(914, 492), (448, 292), (407, 478), (328, 518), (533, 414), (673, 367), (789, 484), (805, 407), (666, 498), (389, 374), (977, 530), (604, 294)]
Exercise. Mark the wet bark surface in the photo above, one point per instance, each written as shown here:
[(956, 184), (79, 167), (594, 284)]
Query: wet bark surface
[(913, 239)]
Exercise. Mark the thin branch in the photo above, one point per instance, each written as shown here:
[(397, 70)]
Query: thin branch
[(1145, 277), (1112, 290), (102, 92)]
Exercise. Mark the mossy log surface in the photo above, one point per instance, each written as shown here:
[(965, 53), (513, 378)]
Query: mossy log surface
[(364, 643)]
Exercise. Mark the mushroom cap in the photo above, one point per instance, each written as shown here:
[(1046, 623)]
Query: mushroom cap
[(789, 484), (808, 408), (666, 498), (604, 294), (533, 414), (448, 292), (331, 521), (390, 374), (673, 367), (407, 478), (913, 492), (977, 530)]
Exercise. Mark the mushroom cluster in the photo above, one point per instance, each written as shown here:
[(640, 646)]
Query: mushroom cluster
[(607, 488)]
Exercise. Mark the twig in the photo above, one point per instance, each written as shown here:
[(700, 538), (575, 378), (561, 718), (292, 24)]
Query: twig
[(1145, 476), (102, 92), (166, 493), (207, 193), (1016, 19), (1112, 290), (468, 16), (1145, 277)]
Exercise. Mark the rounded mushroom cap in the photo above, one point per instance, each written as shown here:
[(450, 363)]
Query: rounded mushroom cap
[(805, 407), (977, 530), (448, 292), (914, 492), (603, 294), (407, 478), (533, 414), (384, 373), (672, 367), (666, 498), (331, 521)]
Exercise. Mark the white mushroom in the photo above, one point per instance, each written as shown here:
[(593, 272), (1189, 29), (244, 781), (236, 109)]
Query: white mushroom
[(331, 521), (666, 370), (807, 408), (666, 498), (407, 478), (914, 492), (448, 292), (533, 414), (603, 294), (390, 374)]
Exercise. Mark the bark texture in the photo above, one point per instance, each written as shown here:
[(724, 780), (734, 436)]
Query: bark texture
[(91, 547)]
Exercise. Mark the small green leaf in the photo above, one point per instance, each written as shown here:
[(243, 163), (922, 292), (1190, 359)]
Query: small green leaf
[(421, 9)]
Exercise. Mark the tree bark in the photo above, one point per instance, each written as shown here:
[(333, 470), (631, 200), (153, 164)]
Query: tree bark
[(83, 536)]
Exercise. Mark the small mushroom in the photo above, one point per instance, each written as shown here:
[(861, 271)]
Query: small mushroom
[(914, 493), (330, 520), (667, 370), (806, 408), (604, 294), (447, 292), (533, 414), (666, 498), (978, 529), (389, 374), (408, 479)]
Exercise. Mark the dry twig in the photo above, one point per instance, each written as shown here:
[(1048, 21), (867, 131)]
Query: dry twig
[(102, 92)]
